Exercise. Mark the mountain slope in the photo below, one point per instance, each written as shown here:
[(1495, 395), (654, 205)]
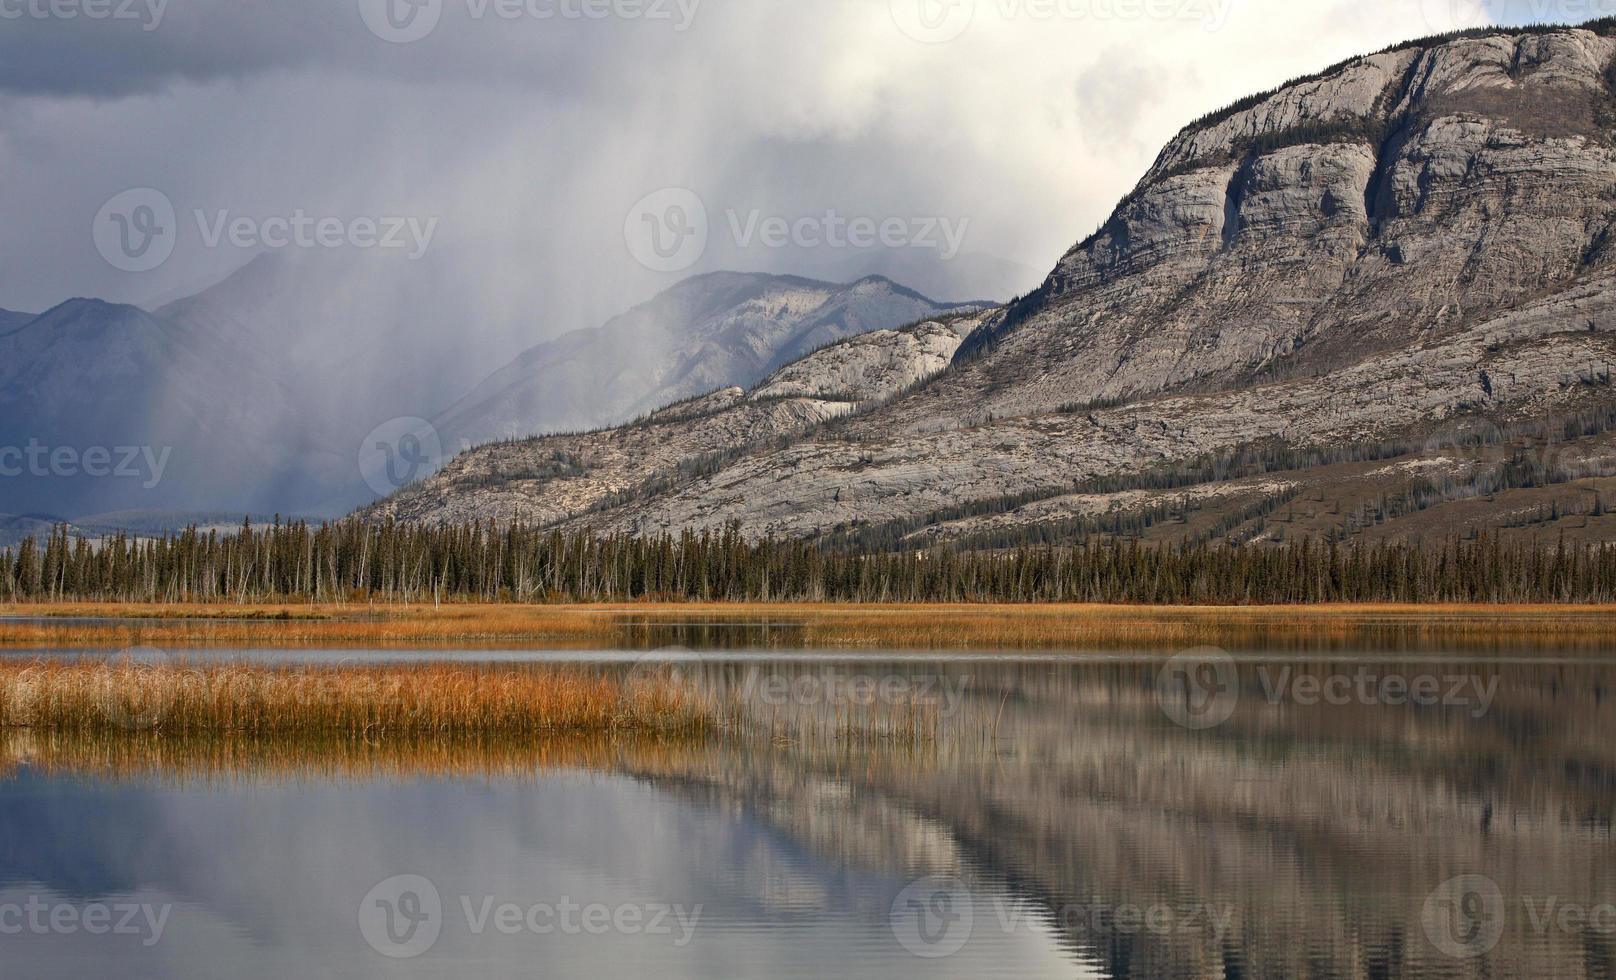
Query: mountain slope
[(10, 321), (713, 331), (1407, 253), (203, 414), (562, 477), (362, 338)]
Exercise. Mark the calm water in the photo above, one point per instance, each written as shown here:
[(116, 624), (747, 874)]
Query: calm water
[(1120, 816)]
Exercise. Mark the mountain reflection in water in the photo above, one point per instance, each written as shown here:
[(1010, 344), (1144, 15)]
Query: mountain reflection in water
[(1088, 832)]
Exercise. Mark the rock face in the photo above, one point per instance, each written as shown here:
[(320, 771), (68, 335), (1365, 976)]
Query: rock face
[(706, 333), (1408, 241)]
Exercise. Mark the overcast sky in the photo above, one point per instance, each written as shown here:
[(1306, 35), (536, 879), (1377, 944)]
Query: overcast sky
[(527, 135)]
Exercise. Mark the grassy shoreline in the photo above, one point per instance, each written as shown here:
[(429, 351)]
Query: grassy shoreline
[(371, 703), (637, 626)]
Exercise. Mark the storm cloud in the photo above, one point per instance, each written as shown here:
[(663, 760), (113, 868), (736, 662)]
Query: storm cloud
[(531, 129)]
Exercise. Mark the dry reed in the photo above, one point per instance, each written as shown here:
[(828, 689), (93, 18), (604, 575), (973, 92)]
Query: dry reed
[(357, 702)]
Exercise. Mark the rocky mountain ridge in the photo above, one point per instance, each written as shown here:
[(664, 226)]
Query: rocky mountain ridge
[(1412, 244)]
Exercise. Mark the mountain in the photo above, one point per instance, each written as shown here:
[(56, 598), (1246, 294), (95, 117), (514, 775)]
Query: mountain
[(262, 387), (362, 338), (10, 321), (554, 478), (708, 332), (257, 394), (972, 276), (106, 406), (1376, 302)]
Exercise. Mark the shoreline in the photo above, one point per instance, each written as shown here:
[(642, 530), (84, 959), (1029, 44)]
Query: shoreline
[(784, 626)]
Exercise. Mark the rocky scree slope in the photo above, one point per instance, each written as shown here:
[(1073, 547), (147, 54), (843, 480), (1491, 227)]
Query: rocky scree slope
[(1407, 241)]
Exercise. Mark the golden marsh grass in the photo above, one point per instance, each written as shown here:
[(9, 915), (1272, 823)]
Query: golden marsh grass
[(369, 703)]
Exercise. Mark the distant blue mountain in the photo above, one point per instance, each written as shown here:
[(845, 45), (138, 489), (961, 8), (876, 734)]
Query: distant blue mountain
[(86, 382), (10, 321)]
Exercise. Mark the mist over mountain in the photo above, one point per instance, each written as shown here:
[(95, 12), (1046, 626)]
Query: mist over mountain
[(714, 331), (1378, 301), (265, 392), (105, 406), (363, 337)]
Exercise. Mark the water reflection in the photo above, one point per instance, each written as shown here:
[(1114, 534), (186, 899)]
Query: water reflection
[(1042, 818)]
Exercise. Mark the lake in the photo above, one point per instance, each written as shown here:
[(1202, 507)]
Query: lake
[(1103, 814)]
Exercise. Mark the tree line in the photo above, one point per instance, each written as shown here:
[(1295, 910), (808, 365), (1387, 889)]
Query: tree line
[(356, 561)]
